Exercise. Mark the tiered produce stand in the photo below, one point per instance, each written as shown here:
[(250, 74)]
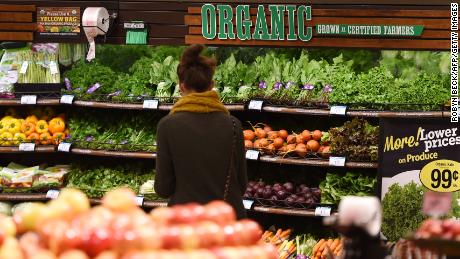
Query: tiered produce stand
[(342, 160)]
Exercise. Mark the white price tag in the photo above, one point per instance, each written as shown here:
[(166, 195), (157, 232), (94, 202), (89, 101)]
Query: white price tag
[(150, 104), (64, 147), (29, 99), (337, 161), (24, 67), (140, 200), (67, 99), (252, 154), (52, 194), (255, 105), (28, 147), (53, 68), (248, 204), (323, 211), (338, 110)]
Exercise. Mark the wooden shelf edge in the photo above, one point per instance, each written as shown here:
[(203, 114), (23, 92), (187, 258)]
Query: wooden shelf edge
[(314, 162), (37, 197), (107, 153), (38, 149), (356, 113), (287, 211), (242, 107), (40, 101)]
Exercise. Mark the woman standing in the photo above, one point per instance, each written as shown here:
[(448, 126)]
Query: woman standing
[(200, 152)]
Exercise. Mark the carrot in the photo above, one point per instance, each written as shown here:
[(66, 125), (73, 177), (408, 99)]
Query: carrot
[(325, 251), (321, 248), (334, 244), (285, 233), (338, 249), (317, 246)]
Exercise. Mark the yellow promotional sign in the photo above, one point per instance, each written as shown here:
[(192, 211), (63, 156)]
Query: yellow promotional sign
[(441, 176)]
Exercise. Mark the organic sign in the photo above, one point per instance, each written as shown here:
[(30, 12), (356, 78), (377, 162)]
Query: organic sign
[(369, 30), (423, 151), (273, 28), (63, 21)]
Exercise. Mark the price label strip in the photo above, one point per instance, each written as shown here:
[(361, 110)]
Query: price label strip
[(248, 204), (27, 147), (140, 200), (252, 154), (337, 161), (29, 99), (255, 105), (64, 147), (338, 110), (323, 211), (441, 175), (67, 99), (151, 104), (52, 194)]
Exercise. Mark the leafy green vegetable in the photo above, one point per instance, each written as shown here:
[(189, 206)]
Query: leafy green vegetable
[(356, 140), (84, 75), (335, 186), (402, 210), (96, 181), (96, 130)]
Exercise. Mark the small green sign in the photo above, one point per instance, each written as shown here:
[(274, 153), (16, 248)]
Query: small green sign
[(370, 30)]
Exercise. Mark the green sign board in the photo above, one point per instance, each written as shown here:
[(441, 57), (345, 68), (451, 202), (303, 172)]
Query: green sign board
[(232, 23), (369, 30)]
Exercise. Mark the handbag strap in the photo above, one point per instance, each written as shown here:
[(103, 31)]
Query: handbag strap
[(232, 160)]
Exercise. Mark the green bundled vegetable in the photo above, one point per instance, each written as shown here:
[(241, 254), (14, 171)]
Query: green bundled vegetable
[(336, 186), (164, 75), (84, 75), (38, 67)]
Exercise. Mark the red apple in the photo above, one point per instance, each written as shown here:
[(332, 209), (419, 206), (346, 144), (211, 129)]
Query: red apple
[(253, 232), (225, 214), (99, 240), (189, 237), (210, 234), (170, 237), (162, 215)]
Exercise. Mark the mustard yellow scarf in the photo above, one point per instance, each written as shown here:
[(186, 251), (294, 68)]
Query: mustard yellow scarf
[(205, 102)]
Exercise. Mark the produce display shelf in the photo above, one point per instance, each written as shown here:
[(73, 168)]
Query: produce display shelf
[(38, 149), (110, 153), (40, 101), (287, 211), (314, 162)]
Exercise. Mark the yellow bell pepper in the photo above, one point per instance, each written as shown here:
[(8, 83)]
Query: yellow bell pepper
[(41, 127), (32, 118), (3, 126), (14, 126), (19, 138), (6, 138)]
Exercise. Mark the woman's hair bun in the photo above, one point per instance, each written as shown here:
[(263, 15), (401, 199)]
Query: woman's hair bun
[(191, 55)]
